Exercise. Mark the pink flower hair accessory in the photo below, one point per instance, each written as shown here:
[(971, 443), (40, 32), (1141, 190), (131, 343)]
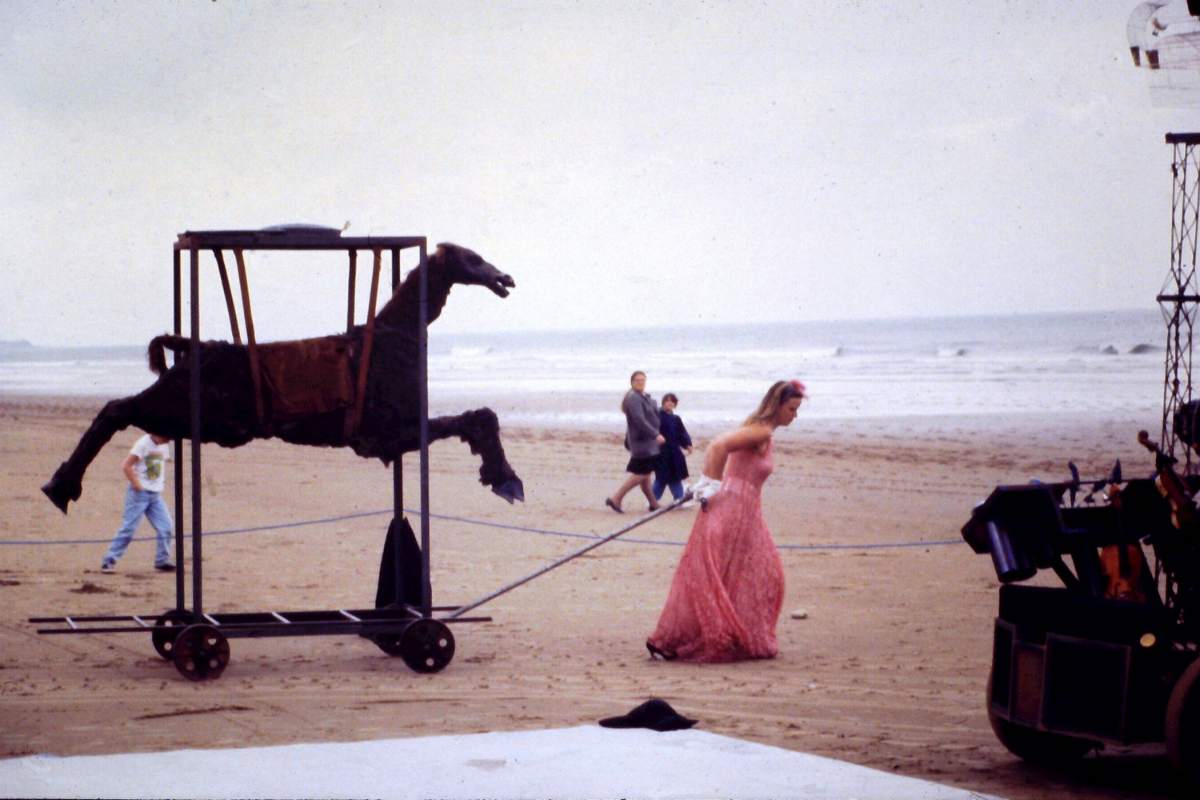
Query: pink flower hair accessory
[(795, 389)]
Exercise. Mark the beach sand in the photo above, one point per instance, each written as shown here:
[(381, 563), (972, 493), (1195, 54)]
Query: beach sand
[(887, 670)]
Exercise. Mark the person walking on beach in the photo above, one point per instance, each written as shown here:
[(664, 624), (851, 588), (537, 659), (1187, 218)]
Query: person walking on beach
[(643, 441), (144, 467), (671, 469), (727, 591)]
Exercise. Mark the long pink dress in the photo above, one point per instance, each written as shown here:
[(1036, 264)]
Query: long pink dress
[(727, 591)]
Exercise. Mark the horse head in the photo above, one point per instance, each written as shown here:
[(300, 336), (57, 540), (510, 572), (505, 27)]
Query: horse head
[(460, 265)]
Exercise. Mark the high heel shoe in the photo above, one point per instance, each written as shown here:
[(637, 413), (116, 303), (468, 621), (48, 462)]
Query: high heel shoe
[(608, 502), (654, 651)]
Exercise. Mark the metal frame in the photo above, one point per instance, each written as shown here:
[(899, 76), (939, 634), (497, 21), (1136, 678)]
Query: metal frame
[(287, 238), (366, 622), (1180, 293), (1179, 301)]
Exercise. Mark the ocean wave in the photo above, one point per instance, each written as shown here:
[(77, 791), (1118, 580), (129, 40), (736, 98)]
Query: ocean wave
[(470, 352), (719, 374)]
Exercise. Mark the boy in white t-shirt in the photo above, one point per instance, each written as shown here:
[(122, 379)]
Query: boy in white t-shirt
[(145, 469)]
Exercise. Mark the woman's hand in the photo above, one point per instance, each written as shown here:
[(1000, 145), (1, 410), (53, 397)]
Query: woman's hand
[(705, 489)]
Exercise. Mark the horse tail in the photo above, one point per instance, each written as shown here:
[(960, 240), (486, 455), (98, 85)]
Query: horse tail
[(154, 353)]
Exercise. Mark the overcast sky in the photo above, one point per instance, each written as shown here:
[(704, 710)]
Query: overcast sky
[(628, 163)]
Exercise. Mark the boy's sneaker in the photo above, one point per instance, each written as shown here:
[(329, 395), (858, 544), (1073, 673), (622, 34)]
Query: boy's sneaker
[(108, 566), (166, 566)]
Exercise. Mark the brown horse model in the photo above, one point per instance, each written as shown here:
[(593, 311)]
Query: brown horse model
[(304, 393)]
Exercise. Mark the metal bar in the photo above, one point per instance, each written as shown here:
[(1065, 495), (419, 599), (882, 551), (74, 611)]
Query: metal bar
[(350, 291), (354, 413), (142, 622), (397, 471), (77, 618), (197, 527), (276, 629), (228, 618), (42, 631), (211, 620), (264, 240), (423, 390), (559, 562), (280, 617), (179, 525), (251, 341), (233, 321)]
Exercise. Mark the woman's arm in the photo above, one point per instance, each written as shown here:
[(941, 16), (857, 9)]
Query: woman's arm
[(738, 439)]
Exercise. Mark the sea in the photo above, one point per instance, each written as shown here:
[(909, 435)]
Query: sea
[(1081, 363)]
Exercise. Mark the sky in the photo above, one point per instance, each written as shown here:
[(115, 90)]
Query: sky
[(628, 163)]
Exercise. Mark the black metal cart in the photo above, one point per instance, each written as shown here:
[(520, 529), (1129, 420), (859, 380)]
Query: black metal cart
[(196, 641)]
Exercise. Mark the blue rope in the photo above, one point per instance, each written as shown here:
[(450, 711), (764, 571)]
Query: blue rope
[(475, 522)]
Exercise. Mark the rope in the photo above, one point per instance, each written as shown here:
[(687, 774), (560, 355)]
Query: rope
[(542, 531)]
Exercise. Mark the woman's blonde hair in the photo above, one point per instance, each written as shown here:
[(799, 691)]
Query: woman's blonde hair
[(625, 396), (779, 393)]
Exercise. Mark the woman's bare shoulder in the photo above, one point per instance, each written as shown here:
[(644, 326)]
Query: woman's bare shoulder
[(745, 437)]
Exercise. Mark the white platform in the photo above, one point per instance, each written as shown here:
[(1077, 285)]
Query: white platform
[(587, 761)]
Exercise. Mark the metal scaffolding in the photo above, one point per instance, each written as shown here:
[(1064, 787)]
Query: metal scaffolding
[(1180, 293)]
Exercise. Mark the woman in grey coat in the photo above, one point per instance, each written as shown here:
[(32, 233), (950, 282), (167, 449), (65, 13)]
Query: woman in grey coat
[(642, 439)]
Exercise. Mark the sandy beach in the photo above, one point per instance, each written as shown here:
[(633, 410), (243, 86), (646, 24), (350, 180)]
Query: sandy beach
[(886, 670)]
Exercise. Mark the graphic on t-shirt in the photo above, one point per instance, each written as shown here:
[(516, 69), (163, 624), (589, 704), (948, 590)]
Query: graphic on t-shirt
[(154, 466)]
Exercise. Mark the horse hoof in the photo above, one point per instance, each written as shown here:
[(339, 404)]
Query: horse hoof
[(512, 489), (57, 496)]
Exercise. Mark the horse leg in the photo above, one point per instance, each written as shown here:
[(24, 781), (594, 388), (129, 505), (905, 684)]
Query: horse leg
[(161, 408), (67, 483), (481, 430)]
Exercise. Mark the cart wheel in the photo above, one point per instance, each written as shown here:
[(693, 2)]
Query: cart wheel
[(1183, 723), (388, 642), (166, 628), (426, 645), (201, 652), (1036, 747)]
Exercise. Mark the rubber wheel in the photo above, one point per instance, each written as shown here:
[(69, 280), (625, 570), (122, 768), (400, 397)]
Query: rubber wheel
[(166, 629), (426, 645), (201, 653), (1037, 747), (1183, 723)]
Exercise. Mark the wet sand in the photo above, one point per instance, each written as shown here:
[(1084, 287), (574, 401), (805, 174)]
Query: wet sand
[(886, 670)]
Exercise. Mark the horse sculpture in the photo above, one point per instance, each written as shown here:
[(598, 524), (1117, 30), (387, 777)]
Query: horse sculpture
[(248, 393)]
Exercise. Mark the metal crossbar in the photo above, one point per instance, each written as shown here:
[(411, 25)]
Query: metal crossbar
[(257, 624)]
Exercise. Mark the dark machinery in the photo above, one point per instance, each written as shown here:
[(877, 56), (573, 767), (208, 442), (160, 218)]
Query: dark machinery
[(1104, 658), (1114, 654)]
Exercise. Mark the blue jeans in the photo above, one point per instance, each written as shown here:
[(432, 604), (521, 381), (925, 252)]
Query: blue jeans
[(675, 486), (136, 504)]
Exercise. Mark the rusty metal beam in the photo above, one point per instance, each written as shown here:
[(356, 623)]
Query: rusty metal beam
[(233, 320)]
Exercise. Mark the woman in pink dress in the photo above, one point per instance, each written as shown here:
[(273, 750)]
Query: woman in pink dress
[(727, 591)]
